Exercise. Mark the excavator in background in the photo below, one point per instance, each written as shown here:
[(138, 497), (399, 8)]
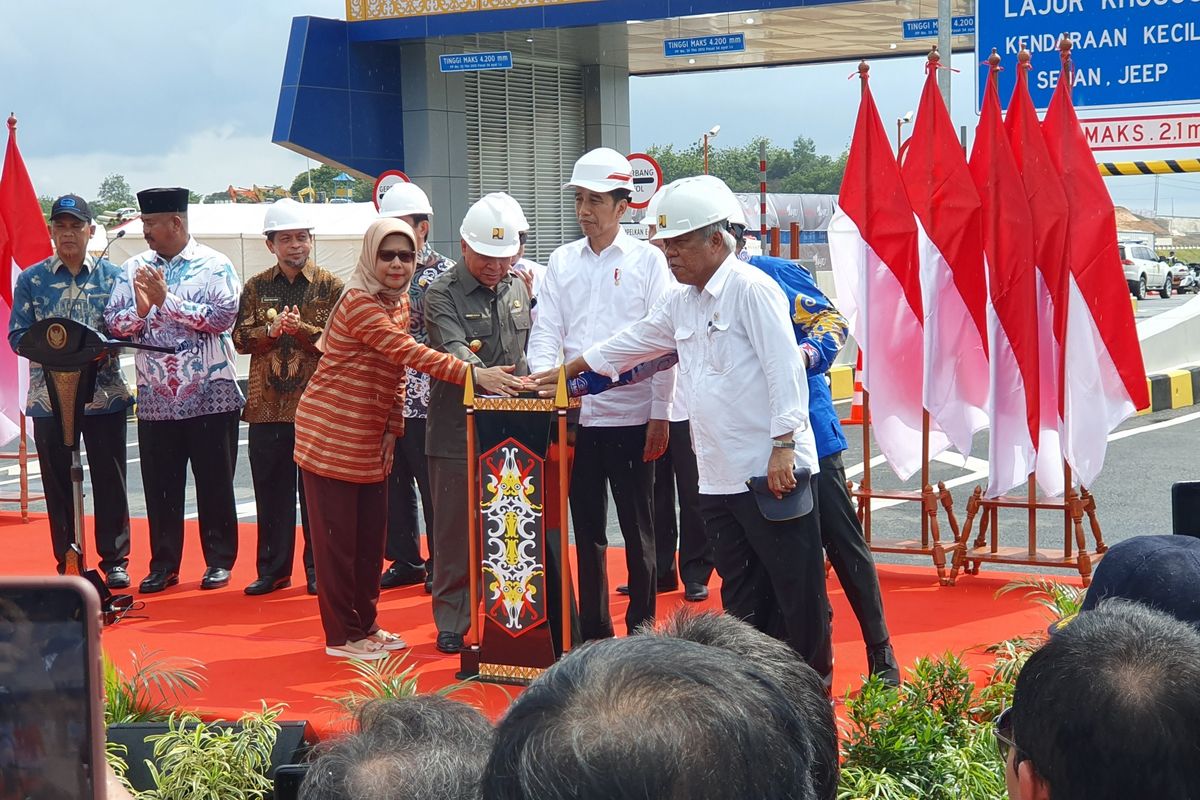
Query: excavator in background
[(257, 194)]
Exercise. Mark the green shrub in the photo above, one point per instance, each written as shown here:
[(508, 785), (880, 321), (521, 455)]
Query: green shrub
[(153, 688), (195, 760)]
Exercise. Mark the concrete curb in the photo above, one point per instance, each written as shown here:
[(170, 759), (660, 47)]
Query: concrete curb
[(1174, 388)]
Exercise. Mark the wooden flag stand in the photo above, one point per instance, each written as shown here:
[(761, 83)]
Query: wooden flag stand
[(518, 472), (1073, 505), (930, 543)]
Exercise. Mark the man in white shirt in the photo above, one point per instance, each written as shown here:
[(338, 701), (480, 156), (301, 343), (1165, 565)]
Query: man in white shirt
[(747, 394), (594, 288)]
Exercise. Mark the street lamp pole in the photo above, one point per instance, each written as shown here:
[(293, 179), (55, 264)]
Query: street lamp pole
[(900, 123), (711, 133)]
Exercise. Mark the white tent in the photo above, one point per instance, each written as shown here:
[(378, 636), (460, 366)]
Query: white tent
[(235, 229)]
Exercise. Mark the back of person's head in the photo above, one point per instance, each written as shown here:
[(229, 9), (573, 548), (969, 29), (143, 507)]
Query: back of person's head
[(425, 747), (1110, 708), (782, 664), (650, 718)]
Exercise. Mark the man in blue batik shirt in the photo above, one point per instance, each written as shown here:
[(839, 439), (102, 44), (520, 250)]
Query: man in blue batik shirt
[(821, 333), (182, 295), (72, 284)]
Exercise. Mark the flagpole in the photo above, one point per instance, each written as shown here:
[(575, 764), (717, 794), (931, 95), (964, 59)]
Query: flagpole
[(864, 70)]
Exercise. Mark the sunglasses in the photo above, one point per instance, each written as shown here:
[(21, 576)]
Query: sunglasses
[(405, 256), (1003, 731)]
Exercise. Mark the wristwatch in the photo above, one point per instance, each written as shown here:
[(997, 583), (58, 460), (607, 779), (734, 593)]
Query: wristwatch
[(778, 445)]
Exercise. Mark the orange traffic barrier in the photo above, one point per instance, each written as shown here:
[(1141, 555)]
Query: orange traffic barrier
[(856, 405)]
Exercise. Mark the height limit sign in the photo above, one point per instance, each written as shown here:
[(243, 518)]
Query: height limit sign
[(647, 179)]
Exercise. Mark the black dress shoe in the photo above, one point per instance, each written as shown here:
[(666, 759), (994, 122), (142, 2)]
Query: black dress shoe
[(400, 574), (667, 584), (695, 592), (623, 589), (157, 581), (429, 586), (117, 578), (881, 661), (311, 584), (267, 585), (448, 642), (214, 578)]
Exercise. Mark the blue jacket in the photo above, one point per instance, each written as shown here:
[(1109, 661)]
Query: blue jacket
[(820, 333)]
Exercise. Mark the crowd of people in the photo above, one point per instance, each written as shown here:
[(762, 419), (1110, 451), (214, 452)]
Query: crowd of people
[(354, 406)]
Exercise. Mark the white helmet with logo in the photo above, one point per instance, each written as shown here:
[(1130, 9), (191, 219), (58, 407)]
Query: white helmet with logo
[(516, 213), (489, 229), (651, 216), (690, 204), (404, 200), (286, 215), (601, 170)]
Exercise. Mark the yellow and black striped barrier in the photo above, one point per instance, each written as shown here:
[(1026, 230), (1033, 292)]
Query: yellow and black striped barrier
[(1171, 166), (1175, 388)]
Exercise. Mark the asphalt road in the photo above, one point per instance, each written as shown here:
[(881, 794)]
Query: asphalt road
[(1154, 305), (1145, 456)]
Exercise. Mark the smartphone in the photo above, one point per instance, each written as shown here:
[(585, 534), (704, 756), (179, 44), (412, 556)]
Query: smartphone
[(51, 712)]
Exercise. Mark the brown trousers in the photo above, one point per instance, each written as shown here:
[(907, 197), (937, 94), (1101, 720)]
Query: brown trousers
[(349, 528)]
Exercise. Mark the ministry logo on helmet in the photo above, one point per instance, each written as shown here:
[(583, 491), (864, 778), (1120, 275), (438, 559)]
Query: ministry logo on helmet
[(662, 220), (498, 234)]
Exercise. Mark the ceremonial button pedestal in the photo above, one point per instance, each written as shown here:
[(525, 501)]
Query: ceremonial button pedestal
[(518, 473)]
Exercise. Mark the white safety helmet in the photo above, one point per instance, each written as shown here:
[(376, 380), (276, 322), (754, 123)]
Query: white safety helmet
[(651, 216), (513, 207), (286, 215), (690, 204), (489, 229), (404, 199), (737, 214), (601, 170)]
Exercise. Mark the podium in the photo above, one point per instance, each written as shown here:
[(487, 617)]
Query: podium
[(68, 353), (518, 474)]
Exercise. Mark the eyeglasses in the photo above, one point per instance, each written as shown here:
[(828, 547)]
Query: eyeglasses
[(405, 256), (1003, 731)]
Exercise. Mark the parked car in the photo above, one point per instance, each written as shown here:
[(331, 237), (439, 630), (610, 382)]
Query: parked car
[(1144, 271)]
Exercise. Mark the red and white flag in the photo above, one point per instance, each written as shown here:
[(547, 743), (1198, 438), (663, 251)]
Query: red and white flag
[(23, 241), (1048, 205), (1012, 306), (953, 284), (1104, 380), (873, 247)]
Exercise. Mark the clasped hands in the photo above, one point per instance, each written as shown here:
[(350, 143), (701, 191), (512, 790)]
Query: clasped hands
[(286, 322), (149, 289)]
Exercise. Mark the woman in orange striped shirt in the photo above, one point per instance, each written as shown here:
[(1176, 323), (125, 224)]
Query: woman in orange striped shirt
[(347, 423)]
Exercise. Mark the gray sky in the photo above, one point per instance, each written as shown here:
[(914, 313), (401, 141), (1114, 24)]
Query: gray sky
[(184, 93)]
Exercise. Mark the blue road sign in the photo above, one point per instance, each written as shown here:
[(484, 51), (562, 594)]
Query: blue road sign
[(1126, 52), (704, 45), (470, 62), (927, 28)]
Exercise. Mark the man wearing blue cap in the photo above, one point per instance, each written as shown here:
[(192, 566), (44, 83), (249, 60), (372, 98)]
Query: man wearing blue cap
[(182, 295), (74, 285)]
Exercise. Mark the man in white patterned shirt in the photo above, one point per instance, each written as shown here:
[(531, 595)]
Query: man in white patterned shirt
[(593, 288)]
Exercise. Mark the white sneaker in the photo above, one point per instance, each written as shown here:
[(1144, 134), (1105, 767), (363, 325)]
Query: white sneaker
[(387, 640), (362, 649)]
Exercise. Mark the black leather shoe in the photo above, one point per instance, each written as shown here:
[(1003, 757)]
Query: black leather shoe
[(667, 584), (399, 574), (448, 642), (695, 592), (157, 581), (117, 578), (429, 586), (311, 584), (214, 578), (623, 589), (267, 585), (881, 661)]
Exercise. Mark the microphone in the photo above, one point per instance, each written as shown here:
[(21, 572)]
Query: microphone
[(104, 252)]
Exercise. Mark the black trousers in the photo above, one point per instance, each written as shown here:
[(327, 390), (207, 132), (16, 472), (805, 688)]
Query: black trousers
[(677, 468), (410, 474), (273, 469), (772, 574), (104, 442), (209, 442), (612, 457), (842, 536)]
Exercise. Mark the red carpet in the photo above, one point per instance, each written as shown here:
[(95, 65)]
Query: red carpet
[(271, 648)]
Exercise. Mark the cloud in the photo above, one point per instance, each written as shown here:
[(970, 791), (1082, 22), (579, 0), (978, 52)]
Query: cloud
[(205, 161)]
